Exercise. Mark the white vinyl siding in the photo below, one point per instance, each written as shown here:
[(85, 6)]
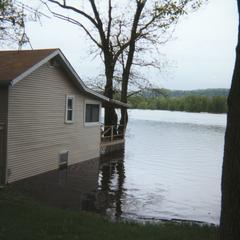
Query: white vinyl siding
[(37, 132)]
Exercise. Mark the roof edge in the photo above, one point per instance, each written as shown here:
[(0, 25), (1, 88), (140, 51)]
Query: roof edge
[(85, 88), (119, 103), (69, 66)]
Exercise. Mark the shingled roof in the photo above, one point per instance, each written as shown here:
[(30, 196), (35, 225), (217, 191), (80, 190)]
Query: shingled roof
[(16, 65)]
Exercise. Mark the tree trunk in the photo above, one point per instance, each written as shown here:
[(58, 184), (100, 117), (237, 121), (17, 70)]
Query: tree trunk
[(110, 117), (230, 211), (124, 113), (127, 69)]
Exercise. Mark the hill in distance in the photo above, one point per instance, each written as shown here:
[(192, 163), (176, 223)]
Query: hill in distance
[(211, 92)]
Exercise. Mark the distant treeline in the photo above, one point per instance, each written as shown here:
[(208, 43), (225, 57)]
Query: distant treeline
[(211, 92), (183, 102)]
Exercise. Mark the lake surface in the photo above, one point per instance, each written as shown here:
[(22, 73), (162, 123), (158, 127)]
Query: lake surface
[(170, 169), (173, 164)]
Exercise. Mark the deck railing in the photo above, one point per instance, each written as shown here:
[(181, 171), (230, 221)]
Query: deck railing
[(110, 133)]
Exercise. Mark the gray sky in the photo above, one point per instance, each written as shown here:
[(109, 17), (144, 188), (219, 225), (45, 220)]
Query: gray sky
[(204, 50), (201, 55)]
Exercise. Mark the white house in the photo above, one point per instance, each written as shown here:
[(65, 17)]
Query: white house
[(48, 117)]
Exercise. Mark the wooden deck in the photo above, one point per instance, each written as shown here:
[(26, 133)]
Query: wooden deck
[(114, 142), (112, 138)]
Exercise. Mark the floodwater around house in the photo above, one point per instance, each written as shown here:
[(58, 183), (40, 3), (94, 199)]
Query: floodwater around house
[(170, 169)]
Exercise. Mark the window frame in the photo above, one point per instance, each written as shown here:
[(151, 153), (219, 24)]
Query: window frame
[(67, 109), (91, 124)]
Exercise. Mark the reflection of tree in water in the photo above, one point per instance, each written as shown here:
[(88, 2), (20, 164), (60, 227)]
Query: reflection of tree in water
[(119, 193), (112, 177)]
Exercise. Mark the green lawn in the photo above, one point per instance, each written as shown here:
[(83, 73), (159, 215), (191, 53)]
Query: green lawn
[(24, 219)]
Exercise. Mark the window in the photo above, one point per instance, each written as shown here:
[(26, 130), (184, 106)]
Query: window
[(92, 113), (69, 109)]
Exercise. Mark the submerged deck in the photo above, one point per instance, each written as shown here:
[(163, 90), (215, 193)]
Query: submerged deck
[(112, 138)]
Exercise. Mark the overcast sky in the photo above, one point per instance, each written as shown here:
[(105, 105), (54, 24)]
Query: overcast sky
[(201, 54), (204, 50)]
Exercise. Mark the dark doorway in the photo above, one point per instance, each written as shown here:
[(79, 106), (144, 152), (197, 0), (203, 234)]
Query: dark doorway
[(2, 155)]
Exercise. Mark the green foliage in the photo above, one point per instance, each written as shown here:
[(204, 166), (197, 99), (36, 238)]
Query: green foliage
[(23, 219), (211, 92), (215, 104)]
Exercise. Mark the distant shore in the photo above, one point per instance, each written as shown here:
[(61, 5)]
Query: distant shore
[(217, 104), (203, 100)]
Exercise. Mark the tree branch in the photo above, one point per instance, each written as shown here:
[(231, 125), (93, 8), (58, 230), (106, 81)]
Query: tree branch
[(99, 24), (75, 22), (109, 20), (133, 93), (75, 10)]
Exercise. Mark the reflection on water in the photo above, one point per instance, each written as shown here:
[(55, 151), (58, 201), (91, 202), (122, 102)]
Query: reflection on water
[(95, 185), (169, 170), (111, 182)]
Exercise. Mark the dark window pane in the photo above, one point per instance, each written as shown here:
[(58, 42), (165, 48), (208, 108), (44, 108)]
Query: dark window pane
[(92, 113), (88, 113), (95, 113), (70, 103), (69, 115)]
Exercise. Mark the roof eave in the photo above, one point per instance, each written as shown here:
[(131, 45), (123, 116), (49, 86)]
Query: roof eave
[(80, 84), (116, 104)]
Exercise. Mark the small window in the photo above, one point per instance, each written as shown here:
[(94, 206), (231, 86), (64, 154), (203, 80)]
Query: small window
[(69, 109), (92, 113)]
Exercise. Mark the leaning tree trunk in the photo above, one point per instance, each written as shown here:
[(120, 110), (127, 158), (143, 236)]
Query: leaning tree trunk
[(127, 69), (110, 117), (230, 212), (124, 113)]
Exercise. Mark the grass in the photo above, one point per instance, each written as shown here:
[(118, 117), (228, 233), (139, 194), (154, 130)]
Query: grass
[(23, 219)]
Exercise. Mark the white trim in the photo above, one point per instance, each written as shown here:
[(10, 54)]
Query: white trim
[(91, 124), (73, 108)]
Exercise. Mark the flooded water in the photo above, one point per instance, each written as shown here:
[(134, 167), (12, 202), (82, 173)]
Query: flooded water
[(173, 165), (170, 169)]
